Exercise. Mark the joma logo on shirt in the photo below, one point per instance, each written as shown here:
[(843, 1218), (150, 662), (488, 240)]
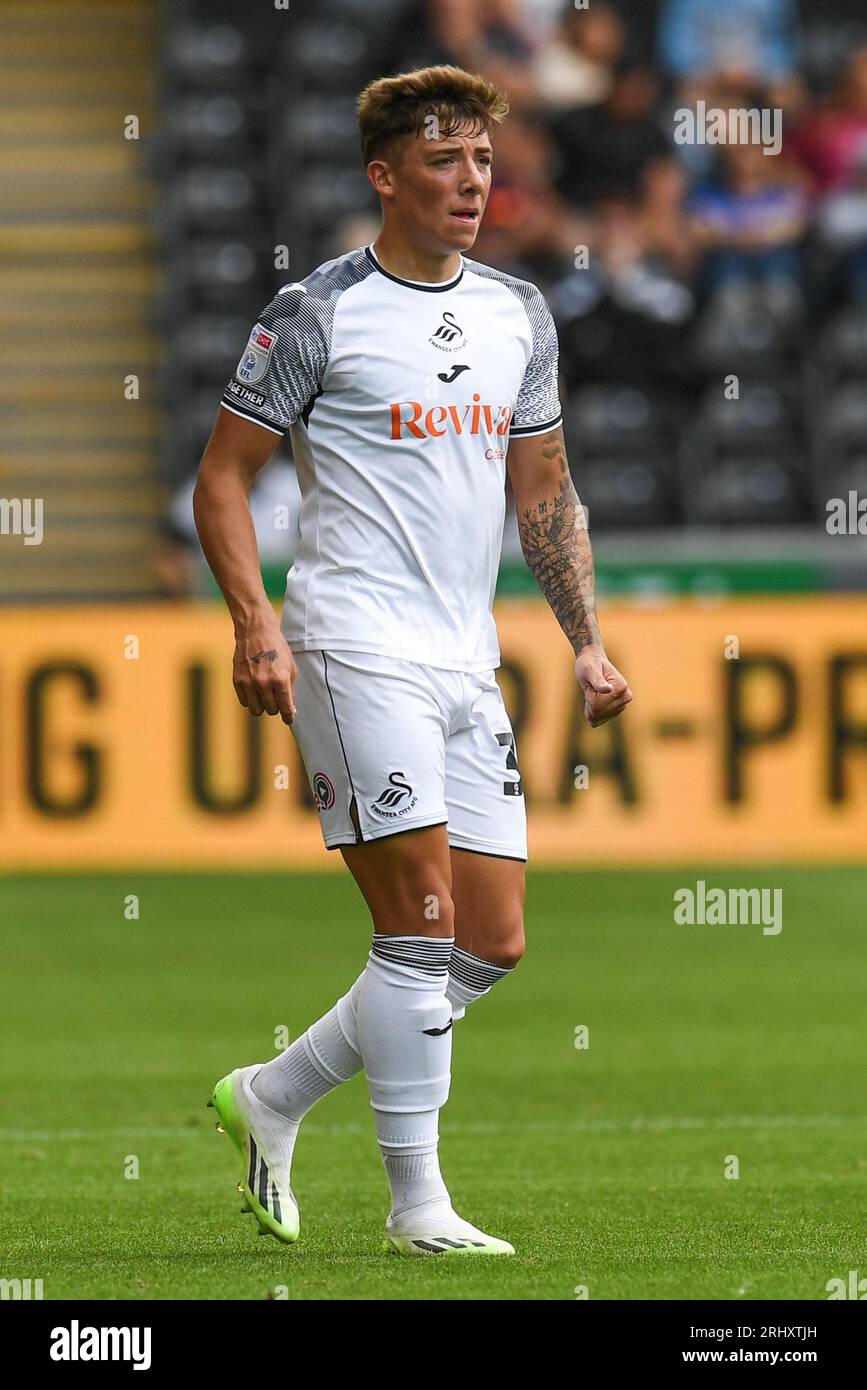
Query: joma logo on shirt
[(473, 418)]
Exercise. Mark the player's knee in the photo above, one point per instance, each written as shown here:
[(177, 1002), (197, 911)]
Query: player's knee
[(513, 946), (418, 904), (504, 943), (511, 941)]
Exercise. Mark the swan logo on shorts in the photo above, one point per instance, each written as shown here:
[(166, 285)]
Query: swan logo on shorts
[(388, 803), (323, 791)]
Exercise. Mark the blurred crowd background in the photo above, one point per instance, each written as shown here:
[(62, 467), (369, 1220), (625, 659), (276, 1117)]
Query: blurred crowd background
[(176, 161), (173, 163), (667, 266)]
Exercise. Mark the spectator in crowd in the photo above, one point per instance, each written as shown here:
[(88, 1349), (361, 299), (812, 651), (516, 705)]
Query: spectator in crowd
[(752, 40), (528, 227), (829, 140), (486, 36), (661, 216), (640, 273), (841, 231), (275, 504), (644, 248), (576, 67), (542, 17), (176, 561), (605, 149), (750, 220), (641, 254)]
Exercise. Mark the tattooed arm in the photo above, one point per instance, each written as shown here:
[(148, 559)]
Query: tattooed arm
[(557, 549), (263, 669)]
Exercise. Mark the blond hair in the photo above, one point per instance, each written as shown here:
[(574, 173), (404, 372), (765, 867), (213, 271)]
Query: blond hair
[(392, 108)]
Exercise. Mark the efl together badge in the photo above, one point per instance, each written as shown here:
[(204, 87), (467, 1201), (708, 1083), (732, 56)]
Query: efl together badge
[(256, 356)]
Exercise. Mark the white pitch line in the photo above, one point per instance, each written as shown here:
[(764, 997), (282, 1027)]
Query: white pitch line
[(637, 1126)]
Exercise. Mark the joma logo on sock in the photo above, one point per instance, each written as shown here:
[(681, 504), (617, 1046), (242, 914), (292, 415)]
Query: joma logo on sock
[(77, 1343), (437, 1032)]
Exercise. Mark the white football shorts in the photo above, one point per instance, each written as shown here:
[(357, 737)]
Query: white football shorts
[(413, 745)]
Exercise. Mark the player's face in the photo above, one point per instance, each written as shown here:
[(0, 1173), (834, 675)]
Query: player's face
[(440, 188)]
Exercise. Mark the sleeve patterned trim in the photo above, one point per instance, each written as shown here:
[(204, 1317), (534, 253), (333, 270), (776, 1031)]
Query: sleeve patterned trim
[(287, 353), (524, 431), (538, 402)]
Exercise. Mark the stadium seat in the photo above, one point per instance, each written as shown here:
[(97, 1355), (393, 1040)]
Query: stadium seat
[(626, 492), (616, 417), (211, 197), (228, 274), (370, 14), (327, 193), (327, 56), (728, 342), (762, 413), (207, 123), (836, 474), (762, 487), (207, 346), (841, 418), (208, 57), (322, 128), (842, 343)]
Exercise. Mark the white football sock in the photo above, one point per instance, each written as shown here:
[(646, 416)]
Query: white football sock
[(405, 1038), (315, 1063), (409, 1152), (329, 1053), (469, 978)]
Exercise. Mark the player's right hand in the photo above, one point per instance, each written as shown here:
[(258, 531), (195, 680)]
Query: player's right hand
[(264, 672)]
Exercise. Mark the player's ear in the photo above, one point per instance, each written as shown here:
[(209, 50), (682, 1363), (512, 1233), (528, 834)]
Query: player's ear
[(380, 175)]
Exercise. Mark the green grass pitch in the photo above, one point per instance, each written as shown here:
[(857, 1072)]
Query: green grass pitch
[(604, 1167)]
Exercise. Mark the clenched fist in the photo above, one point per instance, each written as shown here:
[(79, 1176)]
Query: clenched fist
[(606, 693)]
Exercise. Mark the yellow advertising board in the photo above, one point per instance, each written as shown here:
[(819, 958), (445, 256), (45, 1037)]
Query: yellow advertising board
[(122, 743)]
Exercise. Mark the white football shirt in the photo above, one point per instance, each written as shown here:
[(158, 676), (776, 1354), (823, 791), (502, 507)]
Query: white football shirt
[(400, 398)]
